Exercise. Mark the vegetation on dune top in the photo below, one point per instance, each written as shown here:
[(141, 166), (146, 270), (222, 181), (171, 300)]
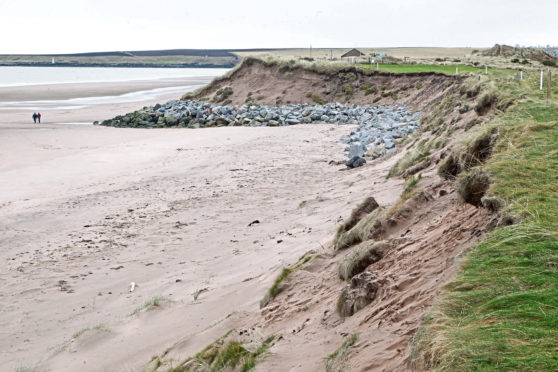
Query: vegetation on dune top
[(501, 312)]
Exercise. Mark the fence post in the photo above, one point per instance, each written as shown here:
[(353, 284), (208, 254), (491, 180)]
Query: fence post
[(540, 85), (549, 85)]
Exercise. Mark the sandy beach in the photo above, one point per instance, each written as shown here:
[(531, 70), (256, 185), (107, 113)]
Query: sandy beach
[(87, 102), (87, 210)]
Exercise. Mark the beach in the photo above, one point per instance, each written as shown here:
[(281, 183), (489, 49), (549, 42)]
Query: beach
[(86, 210)]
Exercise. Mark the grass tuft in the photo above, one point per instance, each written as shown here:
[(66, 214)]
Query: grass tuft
[(151, 303), (277, 286), (337, 361), (230, 356)]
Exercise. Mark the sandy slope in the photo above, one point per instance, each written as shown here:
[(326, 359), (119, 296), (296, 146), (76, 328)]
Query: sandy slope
[(86, 210)]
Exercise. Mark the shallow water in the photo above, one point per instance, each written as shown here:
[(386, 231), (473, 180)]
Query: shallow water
[(22, 76), (78, 103)]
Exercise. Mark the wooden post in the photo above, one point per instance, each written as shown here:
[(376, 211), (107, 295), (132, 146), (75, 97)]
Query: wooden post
[(521, 75), (457, 70), (377, 65), (549, 85), (486, 69), (540, 85)]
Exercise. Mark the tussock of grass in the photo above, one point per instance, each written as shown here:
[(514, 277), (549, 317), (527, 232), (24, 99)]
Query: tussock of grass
[(472, 186), (98, 327), (362, 256), (359, 233), (411, 157), (364, 208), (276, 287), (474, 150), (337, 361), (153, 302), (501, 312), (316, 98), (410, 183), (232, 356)]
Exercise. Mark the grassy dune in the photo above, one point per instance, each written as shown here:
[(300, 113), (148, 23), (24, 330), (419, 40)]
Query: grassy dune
[(501, 312), (405, 68)]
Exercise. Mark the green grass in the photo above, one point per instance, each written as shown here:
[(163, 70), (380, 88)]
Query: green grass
[(275, 288), (98, 327), (155, 301), (221, 356), (448, 70), (410, 183), (501, 312)]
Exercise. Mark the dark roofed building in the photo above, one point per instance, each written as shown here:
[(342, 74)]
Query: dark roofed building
[(353, 53)]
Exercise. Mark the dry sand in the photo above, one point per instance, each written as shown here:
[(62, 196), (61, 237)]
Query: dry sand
[(86, 210)]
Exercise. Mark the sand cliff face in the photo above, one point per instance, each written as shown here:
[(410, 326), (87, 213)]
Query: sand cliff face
[(274, 83), (365, 321)]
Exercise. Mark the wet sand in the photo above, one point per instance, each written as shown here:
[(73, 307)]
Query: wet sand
[(87, 102)]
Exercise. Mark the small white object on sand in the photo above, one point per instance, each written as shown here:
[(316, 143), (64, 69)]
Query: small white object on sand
[(132, 286)]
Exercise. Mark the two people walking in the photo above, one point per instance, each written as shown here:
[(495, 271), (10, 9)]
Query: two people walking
[(36, 116)]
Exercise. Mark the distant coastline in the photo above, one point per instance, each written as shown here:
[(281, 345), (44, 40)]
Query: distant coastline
[(130, 65), (172, 58)]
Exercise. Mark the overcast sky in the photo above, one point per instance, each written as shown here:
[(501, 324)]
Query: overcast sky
[(67, 26)]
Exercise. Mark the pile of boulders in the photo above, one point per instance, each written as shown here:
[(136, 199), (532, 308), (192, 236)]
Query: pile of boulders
[(380, 127), (198, 114)]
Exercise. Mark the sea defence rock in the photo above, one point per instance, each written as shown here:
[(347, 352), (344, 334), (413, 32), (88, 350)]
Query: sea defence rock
[(379, 127), (355, 162), (378, 130)]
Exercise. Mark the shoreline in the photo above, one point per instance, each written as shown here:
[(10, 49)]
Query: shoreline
[(61, 91), (120, 65), (87, 102)]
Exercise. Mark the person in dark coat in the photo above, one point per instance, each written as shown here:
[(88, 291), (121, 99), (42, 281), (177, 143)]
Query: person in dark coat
[(35, 117), (39, 117)]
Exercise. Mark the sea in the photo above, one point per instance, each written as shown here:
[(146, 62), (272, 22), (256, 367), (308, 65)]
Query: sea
[(14, 76)]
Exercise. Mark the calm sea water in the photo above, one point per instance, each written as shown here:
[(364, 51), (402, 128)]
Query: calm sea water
[(18, 76)]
